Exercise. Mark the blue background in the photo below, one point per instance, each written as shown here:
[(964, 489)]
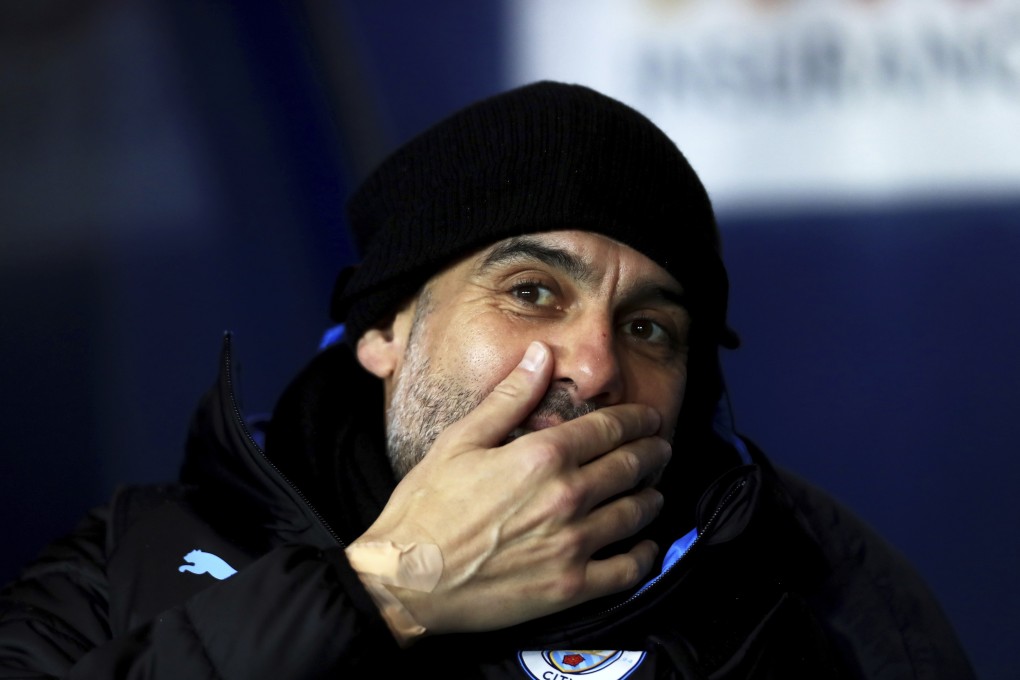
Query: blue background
[(170, 170)]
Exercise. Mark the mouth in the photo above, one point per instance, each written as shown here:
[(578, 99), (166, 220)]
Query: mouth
[(556, 408), (534, 423)]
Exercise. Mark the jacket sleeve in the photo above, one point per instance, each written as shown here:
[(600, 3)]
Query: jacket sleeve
[(297, 612)]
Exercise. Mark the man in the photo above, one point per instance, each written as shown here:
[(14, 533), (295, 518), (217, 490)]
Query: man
[(517, 462)]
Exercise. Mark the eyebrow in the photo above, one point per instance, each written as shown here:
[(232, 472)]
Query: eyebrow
[(654, 292), (523, 248)]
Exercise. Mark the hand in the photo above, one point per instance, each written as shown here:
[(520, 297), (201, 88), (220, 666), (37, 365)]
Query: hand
[(517, 524)]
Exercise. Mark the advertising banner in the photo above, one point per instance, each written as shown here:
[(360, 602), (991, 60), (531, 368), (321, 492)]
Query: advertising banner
[(786, 103)]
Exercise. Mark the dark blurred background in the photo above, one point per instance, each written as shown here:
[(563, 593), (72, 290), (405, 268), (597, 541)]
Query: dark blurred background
[(173, 169)]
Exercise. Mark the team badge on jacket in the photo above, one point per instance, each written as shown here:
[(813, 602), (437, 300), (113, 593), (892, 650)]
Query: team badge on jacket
[(593, 664)]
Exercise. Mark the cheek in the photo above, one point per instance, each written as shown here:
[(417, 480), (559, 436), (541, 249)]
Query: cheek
[(488, 363), (480, 357), (663, 392)]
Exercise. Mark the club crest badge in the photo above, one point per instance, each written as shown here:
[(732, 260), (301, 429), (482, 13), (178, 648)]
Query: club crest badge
[(593, 664)]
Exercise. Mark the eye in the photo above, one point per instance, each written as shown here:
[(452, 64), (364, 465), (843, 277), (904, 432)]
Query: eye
[(533, 293), (648, 330)]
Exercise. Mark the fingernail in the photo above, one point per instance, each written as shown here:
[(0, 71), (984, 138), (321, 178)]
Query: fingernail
[(534, 357)]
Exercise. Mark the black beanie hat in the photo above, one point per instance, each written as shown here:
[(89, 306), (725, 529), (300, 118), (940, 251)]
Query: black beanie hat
[(542, 157)]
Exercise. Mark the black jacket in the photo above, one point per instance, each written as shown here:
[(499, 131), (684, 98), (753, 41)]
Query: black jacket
[(780, 583)]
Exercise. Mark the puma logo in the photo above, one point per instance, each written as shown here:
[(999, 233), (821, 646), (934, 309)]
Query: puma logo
[(206, 563)]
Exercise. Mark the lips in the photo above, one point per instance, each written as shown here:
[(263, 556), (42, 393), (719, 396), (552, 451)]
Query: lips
[(555, 408), (533, 423)]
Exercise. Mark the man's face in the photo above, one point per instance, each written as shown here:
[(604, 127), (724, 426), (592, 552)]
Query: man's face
[(610, 315)]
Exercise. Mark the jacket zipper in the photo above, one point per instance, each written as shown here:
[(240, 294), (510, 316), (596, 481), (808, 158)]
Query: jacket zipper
[(655, 581), (239, 420)]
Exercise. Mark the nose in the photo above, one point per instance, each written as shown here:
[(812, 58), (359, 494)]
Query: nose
[(586, 361)]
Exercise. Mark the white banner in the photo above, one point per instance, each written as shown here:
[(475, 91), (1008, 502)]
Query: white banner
[(783, 103)]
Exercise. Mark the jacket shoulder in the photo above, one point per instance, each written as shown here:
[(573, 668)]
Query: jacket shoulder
[(874, 602), (132, 502)]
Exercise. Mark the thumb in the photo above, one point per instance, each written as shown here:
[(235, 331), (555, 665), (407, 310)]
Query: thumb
[(509, 403)]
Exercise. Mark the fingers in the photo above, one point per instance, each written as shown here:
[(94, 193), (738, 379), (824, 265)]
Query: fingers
[(593, 434), (628, 467), (620, 572), (613, 522), (620, 518), (509, 403), (591, 467)]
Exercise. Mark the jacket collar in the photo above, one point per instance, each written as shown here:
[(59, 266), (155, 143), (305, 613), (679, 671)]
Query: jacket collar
[(242, 488)]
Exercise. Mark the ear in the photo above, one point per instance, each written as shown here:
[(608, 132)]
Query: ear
[(376, 351), (381, 349)]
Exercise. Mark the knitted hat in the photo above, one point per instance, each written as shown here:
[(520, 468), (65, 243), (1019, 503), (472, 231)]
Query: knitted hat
[(543, 157)]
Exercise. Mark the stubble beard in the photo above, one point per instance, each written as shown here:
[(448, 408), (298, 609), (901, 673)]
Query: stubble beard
[(424, 403)]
